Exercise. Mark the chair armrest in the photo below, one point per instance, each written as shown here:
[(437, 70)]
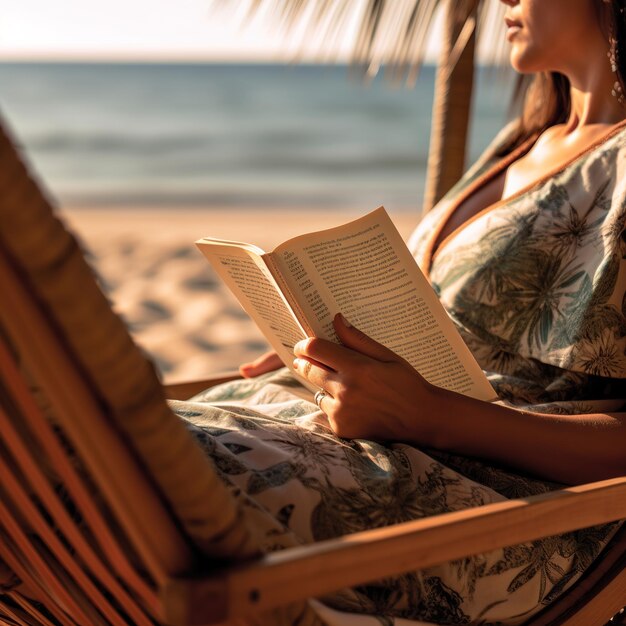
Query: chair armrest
[(295, 574), (184, 391)]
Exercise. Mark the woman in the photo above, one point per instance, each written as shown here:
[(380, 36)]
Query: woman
[(528, 254)]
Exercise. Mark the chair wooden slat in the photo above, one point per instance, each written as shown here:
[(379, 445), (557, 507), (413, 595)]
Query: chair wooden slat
[(9, 554), (184, 391), (31, 609), (43, 433), (119, 477), (46, 578), (362, 557), (18, 616), (607, 601), (71, 533), (39, 527)]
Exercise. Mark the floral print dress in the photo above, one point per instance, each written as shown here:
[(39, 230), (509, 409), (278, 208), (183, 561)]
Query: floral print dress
[(537, 287)]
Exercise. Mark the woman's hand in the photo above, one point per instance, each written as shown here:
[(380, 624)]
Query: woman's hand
[(372, 392), (267, 362)]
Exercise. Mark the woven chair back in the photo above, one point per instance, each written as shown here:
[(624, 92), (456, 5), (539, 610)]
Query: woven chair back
[(104, 494)]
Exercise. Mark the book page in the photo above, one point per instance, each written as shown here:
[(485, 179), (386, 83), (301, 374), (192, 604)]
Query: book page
[(365, 271), (244, 271)]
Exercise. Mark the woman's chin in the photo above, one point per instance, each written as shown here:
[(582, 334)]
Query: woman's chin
[(523, 62)]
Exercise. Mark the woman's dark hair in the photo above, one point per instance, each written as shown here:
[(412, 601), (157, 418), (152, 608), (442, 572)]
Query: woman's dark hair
[(543, 100)]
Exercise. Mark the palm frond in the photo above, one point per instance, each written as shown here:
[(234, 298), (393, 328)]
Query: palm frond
[(389, 33)]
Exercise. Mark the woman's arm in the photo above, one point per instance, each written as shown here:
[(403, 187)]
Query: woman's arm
[(375, 394), (564, 448)]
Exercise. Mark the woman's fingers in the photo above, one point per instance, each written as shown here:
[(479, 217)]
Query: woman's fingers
[(325, 402), (316, 374), (371, 391), (356, 348), (267, 362), (360, 368), (329, 354), (322, 377)]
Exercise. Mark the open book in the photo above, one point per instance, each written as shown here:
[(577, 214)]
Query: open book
[(363, 270)]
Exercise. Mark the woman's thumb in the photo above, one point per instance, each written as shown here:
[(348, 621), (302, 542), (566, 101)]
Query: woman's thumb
[(356, 339)]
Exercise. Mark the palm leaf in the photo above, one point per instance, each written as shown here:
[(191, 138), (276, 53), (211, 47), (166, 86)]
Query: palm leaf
[(390, 33)]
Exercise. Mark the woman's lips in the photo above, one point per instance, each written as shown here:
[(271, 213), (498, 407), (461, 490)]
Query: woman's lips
[(513, 27), (511, 31)]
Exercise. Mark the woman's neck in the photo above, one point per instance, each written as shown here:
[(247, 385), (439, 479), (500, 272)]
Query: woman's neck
[(594, 106), (590, 92)]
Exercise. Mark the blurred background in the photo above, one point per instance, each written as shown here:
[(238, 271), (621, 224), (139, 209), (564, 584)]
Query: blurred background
[(230, 134), (154, 123)]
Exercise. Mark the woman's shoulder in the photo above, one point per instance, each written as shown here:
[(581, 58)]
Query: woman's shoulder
[(502, 139), (493, 153), (420, 238), (494, 150), (608, 142)]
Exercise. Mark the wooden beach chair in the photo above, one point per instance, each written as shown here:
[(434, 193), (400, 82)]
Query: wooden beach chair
[(111, 515)]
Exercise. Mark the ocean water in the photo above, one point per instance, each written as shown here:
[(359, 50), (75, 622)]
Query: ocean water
[(230, 135)]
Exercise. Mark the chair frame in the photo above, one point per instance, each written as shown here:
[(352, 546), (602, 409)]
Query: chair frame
[(317, 569)]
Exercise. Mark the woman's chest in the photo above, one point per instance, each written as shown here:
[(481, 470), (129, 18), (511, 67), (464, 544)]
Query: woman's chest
[(514, 176), (538, 272), (484, 196)]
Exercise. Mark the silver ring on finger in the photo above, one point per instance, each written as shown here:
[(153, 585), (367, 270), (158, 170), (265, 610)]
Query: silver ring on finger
[(318, 397)]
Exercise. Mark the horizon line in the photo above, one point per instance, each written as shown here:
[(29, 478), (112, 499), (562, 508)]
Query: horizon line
[(192, 60)]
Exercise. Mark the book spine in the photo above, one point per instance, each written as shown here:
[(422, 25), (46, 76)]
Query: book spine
[(289, 296)]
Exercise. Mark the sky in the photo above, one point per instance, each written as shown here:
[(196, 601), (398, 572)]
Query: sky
[(165, 30), (138, 29)]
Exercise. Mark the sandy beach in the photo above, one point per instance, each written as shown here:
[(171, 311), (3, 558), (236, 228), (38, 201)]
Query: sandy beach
[(175, 306)]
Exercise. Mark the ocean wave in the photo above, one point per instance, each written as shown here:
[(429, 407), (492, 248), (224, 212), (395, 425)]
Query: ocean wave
[(189, 154), (253, 199), (108, 142), (335, 165)]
